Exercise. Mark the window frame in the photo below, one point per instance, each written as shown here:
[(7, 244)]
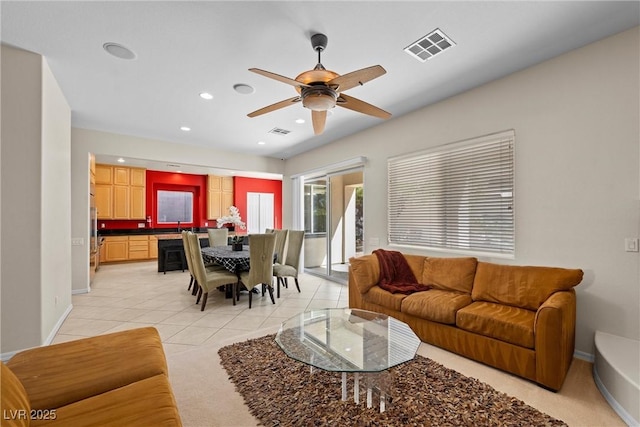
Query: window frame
[(193, 207), (443, 199)]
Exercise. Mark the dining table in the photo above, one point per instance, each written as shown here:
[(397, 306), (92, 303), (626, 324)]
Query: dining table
[(234, 261)]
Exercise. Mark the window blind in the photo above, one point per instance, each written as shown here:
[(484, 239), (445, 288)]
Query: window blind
[(455, 197)]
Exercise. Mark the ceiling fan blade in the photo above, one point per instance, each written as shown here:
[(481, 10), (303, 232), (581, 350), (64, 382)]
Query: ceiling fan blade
[(278, 77), (319, 118), (275, 106), (356, 78), (351, 103)]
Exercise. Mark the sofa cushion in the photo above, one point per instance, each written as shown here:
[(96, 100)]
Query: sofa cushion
[(524, 287), (14, 400), (503, 322), (435, 305), (377, 295), (60, 374), (148, 402), (450, 274), (365, 271)]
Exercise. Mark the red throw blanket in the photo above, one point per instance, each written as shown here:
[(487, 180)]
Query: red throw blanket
[(396, 275)]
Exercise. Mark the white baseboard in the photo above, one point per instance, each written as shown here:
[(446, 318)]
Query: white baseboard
[(584, 356), (57, 326)]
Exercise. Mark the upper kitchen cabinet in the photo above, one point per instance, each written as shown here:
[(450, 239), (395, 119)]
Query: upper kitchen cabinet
[(120, 192), (219, 196)]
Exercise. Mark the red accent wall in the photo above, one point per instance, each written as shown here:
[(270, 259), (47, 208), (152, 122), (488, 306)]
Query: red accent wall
[(242, 186), (177, 181)]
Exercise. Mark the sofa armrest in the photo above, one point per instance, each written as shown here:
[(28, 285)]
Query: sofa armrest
[(554, 332), (59, 374)]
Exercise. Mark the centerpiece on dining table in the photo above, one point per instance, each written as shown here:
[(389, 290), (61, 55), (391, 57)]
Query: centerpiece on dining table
[(236, 221)]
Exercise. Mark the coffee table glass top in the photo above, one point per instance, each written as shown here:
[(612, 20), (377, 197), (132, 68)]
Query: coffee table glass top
[(347, 340)]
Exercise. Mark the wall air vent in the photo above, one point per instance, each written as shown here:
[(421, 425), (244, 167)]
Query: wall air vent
[(430, 45), (280, 131), (170, 165)]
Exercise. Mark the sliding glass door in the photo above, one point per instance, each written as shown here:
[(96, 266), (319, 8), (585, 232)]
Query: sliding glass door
[(333, 221)]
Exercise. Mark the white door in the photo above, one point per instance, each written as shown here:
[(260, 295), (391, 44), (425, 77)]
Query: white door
[(259, 212)]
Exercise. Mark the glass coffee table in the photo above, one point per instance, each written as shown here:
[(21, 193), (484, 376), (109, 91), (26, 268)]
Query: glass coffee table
[(350, 341)]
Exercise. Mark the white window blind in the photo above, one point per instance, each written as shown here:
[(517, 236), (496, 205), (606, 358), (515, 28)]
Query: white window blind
[(455, 197)]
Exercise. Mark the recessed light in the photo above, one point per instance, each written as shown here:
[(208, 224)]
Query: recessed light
[(119, 51), (299, 121), (243, 88), (206, 95), (261, 142), (120, 160), (185, 128)]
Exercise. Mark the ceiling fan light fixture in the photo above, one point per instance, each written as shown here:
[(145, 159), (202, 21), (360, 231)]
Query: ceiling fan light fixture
[(319, 98)]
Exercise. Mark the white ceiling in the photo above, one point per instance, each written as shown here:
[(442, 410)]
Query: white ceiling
[(185, 48)]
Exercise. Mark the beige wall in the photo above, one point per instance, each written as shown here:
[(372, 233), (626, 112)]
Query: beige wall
[(577, 120), (35, 202)]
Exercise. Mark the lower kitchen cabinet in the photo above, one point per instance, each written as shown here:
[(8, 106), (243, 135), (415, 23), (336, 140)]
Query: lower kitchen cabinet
[(129, 248), (116, 248)]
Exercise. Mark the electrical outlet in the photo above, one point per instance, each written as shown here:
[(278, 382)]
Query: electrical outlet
[(141, 225), (206, 224), (631, 244)]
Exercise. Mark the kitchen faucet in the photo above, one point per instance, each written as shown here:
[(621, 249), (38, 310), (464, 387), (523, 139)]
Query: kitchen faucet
[(179, 227)]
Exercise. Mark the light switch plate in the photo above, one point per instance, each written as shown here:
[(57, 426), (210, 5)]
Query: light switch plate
[(77, 241)]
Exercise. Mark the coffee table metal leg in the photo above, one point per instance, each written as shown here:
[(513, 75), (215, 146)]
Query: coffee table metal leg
[(344, 386), (356, 388), (369, 404)]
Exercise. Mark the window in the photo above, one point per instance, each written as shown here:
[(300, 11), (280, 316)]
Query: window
[(456, 197), (315, 208), (174, 206)]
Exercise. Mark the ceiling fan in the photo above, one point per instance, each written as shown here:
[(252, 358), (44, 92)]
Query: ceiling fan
[(321, 89)]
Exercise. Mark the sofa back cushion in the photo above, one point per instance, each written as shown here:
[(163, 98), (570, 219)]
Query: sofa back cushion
[(365, 270), (15, 402), (450, 274), (525, 287)]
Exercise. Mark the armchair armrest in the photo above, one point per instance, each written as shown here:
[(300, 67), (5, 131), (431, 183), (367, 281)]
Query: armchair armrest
[(554, 332), (59, 374)]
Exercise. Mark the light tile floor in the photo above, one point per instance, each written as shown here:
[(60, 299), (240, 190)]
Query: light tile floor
[(125, 296)]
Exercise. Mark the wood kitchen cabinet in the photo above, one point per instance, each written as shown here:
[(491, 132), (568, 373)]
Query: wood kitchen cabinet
[(219, 196), (120, 192), (138, 247), (104, 201), (153, 247), (104, 174), (129, 248), (116, 248), (121, 202)]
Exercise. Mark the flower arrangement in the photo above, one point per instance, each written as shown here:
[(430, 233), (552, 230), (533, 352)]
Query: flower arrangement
[(233, 218)]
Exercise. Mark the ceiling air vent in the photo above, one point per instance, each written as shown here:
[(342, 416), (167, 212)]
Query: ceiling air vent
[(430, 45), (280, 131)]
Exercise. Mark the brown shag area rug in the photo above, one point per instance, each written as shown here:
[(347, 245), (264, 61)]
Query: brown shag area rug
[(280, 391)]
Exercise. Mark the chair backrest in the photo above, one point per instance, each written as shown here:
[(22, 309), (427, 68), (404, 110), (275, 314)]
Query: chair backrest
[(197, 262), (281, 245), (294, 248), (187, 251), (261, 248), (218, 236)]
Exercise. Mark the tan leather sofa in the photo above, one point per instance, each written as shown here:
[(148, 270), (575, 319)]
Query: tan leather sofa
[(117, 379), (518, 319)]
